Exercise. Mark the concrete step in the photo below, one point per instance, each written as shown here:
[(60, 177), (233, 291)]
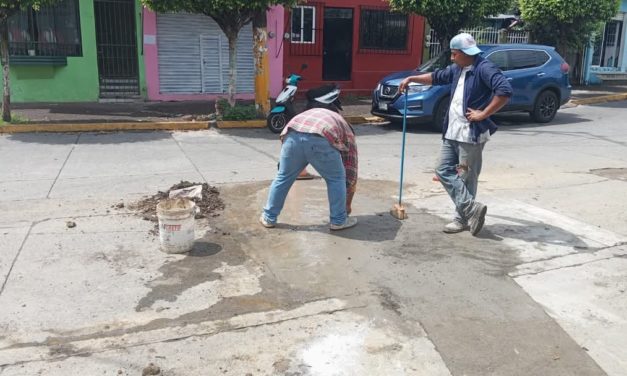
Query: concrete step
[(119, 81), (117, 88), (129, 99)]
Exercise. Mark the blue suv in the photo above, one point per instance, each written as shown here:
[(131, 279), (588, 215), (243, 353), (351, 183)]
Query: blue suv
[(538, 75)]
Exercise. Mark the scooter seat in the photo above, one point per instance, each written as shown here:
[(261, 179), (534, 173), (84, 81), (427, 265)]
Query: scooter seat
[(314, 93)]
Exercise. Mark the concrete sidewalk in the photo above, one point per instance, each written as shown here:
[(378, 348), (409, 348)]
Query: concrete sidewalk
[(183, 115), (141, 111)]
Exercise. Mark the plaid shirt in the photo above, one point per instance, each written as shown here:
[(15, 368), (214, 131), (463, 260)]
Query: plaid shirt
[(336, 130)]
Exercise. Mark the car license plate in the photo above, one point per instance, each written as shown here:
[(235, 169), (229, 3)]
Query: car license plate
[(383, 106)]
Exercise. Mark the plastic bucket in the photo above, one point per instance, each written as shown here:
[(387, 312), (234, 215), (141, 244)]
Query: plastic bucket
[(176, 225)]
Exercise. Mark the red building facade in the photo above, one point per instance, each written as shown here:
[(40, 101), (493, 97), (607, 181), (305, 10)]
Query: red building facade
[(350, 42)]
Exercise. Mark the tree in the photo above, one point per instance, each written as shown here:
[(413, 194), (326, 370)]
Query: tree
[(7, 9), (565, 24), (230, 15), (447, 17)]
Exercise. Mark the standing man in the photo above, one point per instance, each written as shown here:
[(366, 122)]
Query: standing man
[(478, 90), (325, 140)]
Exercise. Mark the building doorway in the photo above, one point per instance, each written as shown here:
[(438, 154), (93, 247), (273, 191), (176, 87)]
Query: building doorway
[(116, 42), (337, 54)]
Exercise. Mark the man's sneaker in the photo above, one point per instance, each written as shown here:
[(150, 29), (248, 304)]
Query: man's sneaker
[(455, 227), (265, 222), (477, 218), (348, 223)]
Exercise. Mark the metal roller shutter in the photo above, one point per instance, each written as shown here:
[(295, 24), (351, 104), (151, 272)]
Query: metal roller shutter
[(188, 58), (212, 80)]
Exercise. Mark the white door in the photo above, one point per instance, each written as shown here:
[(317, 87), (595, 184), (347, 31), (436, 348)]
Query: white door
[(211, 62)]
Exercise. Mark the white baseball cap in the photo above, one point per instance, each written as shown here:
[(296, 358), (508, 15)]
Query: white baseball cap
[(465, 43)]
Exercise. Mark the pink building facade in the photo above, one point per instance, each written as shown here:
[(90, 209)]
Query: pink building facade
[(188, 68)]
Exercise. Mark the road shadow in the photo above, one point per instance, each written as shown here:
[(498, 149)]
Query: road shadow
[(619, 104), (254, 133), (138, 109), (414, 128), (266, 134), (90, 138), (204, 248), (376, 228), (521, 120), (531, 232)]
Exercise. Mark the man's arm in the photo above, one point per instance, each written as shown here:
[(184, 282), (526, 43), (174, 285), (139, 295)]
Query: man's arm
[(438, 77), (497, 102), (425, 79), (502, 89), (349, 160)]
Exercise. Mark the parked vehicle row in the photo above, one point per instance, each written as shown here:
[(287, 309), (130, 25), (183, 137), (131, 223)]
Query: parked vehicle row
[(538, 75)]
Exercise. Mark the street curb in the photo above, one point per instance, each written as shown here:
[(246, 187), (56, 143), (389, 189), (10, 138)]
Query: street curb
[(354, 120), (97, 127), (600, 99), (153, 125), (241, 124)]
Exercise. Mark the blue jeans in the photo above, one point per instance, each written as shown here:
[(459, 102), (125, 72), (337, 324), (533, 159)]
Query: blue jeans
[(459, 169), (300, 149)]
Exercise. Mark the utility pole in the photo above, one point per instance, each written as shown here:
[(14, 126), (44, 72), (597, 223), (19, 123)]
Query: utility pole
[(262, 69)]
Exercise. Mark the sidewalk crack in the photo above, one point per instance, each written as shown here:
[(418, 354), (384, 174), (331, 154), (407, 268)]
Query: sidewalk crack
[(72, 351), (573, 265), (272, 157), (63, 166), (188, 158), (17, 255)]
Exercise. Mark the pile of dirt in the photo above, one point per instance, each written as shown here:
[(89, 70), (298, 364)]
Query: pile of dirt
[(210, 205)]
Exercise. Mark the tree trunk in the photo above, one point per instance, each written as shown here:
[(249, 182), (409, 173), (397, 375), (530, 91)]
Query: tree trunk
[(262, 69), (444, 42), (232, 67), (442, 33), (562, 44), (4, 53)]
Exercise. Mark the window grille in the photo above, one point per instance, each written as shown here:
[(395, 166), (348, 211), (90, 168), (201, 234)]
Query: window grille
[(303, 24), (305, 37), (53, 30), (381, 30)]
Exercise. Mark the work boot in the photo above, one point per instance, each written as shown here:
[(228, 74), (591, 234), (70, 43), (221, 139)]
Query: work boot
[(477, 218), (264, 222), (348, 223), (455, 227)]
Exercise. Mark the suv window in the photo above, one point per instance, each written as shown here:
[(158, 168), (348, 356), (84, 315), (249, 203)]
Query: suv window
[(541, 58), (499, 58), (523, 59), (518, 59), (440, 61)]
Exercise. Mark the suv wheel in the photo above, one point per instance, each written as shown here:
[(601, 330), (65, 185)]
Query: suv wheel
[(440, 113), (545, 107)]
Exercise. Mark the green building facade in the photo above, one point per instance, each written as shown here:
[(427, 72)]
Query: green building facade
[(77, 51)]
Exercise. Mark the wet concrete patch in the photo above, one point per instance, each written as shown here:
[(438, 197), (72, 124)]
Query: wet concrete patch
[(186, 272), (229, 244), (405, 275), (611, 173)]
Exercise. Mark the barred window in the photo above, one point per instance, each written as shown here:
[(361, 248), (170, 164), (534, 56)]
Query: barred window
[(303, 21), (383, 30), (608, 46), (52, 30)]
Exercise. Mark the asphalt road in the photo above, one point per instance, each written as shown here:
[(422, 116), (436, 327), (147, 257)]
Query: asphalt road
[(541, 291)]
